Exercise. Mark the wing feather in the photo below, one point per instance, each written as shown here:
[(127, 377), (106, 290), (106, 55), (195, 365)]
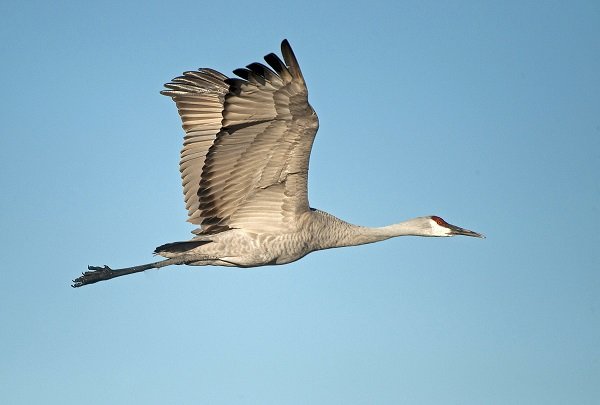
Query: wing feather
[(245, 158)]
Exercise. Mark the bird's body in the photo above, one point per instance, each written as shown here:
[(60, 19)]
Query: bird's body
[(316, 230), (244, 169)]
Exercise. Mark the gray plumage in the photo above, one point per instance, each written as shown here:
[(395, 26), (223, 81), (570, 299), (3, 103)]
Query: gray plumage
[(244, 170)]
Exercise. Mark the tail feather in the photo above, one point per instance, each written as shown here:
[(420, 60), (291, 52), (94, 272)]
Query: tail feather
[(180, 247)]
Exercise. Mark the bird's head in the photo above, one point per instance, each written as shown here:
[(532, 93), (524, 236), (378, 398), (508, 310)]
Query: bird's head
[(439, 227)]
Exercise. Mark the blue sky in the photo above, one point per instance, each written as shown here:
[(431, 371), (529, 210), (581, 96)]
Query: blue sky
[(487, 114)]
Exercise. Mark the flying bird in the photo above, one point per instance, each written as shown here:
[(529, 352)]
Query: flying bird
[(244, 170)]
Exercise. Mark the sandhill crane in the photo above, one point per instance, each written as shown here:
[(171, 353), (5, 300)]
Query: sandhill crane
[(244, 169)]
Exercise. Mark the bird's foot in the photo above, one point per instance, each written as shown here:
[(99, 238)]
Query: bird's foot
[(95, 274)]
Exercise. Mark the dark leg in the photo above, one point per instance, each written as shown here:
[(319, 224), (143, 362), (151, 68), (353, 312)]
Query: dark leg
[(97, 273)]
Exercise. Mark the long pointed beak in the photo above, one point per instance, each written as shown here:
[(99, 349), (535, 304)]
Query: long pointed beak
[(456, 230)]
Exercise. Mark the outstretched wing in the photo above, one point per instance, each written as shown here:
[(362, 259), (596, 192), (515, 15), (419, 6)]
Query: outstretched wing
[(199, 97), (245, 158)]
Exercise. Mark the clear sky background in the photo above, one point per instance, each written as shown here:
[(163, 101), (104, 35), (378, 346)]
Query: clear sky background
[(487, 114)]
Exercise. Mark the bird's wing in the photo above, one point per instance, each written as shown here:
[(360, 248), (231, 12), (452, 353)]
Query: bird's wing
[(199, 97), (245, 158)]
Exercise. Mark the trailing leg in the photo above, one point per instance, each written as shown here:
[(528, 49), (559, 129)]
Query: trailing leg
[(97, 273)]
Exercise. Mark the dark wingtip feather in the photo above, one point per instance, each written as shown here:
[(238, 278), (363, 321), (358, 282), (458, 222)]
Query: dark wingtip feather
[(290, 59), (262, 71), (276, 63), (243, 73)]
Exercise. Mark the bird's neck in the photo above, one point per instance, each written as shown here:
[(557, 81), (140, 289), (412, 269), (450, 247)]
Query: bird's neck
[(412, 227), (338, 233)]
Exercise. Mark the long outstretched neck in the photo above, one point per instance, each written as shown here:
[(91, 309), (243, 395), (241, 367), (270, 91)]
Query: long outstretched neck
[(412, 227), (330, 231), (420, 226)]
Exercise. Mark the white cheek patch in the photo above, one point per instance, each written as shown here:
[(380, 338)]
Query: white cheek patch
[(438, 230)]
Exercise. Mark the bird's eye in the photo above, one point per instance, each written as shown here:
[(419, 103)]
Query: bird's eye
[(439, 220)]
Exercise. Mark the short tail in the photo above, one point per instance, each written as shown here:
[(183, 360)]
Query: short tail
[(179, 247)]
